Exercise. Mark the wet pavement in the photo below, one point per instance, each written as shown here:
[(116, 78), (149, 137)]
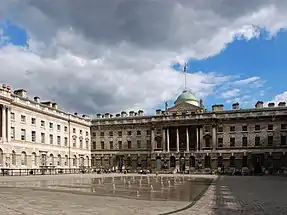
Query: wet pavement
[(99, 194), (95, 194)]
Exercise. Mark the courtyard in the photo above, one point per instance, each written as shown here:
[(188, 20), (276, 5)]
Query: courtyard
[(118, 194)]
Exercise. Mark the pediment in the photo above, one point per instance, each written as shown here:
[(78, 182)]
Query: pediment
[(184, 107)]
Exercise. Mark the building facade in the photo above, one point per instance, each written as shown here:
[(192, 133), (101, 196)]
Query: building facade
[(186, 136), (37, 134)]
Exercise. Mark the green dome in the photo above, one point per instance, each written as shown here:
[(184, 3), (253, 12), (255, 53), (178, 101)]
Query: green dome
[(186, 97)]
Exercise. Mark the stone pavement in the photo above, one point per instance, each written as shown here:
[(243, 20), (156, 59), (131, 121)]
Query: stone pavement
[(227, 195)]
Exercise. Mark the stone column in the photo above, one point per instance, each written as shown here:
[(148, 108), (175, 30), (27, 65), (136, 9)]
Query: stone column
[(152, 140), (213, 137), (177, 140), (167, 142), (187, 140), (163, 140), (197, 139), (3, 123), (9, 124), (200, 137)]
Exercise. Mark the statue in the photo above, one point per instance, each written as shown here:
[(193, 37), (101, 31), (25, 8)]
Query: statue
[(166, 106)]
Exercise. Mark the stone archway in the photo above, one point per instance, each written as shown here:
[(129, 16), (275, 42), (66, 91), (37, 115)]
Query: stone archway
[(192, 161), (158, 163), (207, 161), (182, 164), (172, 162)]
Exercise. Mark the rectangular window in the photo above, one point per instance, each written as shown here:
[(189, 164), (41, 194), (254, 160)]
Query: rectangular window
[(120, 145), (283, 140), (51, 125), (283, 126), (43, 123), (138, 144), (12, 116), (220, 142), (270, 140), (23, 134), (139, 133), (87, 133), (129, 133), (111, 133), (23, 118), (81, 143), (42, 137), (102, 134), (59, 140), (244, 128), (94, 134), (270, 127), (66, 129), (148, 132), (94, 145), (59, 127), (244, 141), (257, 141), (220, 129), (257, 127), (74, 142), (66, 141), (129, 144), (33, 135), (120, 134), (12, 133), (111, 145), (232, 141), (51, 139), (102, 145), (74, 130), (81, 132), (232, 128), (33, 121)]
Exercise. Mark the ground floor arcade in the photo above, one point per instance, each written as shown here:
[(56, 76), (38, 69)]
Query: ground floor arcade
[(192, 161)]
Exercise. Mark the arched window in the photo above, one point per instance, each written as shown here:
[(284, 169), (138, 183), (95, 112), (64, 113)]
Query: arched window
[(66, 160), (13, 158), (51, 160), (82, 161), (59, 162), (87, 161), (23, 158), (75, 160), (34, 159)]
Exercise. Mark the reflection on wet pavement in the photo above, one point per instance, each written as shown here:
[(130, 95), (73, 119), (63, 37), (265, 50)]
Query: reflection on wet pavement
[(173, 188)]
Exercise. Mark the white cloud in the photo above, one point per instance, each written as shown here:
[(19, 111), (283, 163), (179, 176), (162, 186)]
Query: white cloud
[(230, 94), (112, 55)]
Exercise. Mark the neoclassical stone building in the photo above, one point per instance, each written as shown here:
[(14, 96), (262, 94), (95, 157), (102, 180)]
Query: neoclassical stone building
[(37, 134), (187, 136)]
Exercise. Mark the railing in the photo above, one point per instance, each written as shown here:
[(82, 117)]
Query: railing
[(43, 171)]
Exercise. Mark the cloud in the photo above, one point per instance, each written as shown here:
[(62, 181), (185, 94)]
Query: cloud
[(105, 56), (280, 98), (230, 94), (255, 81)]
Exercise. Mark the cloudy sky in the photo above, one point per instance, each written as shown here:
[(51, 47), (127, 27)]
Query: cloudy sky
[(106, 56)]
